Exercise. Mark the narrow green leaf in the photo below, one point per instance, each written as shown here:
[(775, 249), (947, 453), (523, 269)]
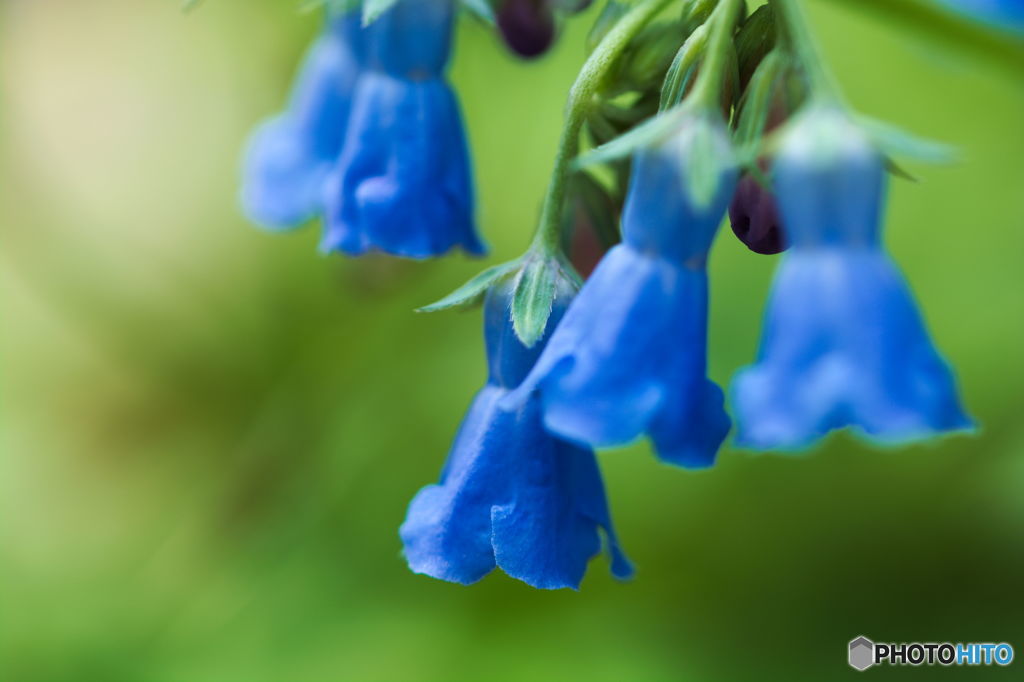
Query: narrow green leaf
[(895, 141), (644, 135), (372, 9), (900, 172), (532, 299), (757, 101), (702, 173), (683, 66), (472, 291), (706, 158)]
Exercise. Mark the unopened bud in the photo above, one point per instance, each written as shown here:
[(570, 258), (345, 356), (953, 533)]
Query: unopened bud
[(754, 215), (527, 26)]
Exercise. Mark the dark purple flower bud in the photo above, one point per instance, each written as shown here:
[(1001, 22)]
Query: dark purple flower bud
[(527, 26), (754, 215)]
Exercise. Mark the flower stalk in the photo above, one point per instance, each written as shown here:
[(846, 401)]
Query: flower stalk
[(581, 98), (823, 85), (708, 88)]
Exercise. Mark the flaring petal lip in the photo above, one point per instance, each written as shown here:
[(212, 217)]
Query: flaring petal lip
[(403, 184), (843, 343), (512, 495), (844, 346), (288, 157)]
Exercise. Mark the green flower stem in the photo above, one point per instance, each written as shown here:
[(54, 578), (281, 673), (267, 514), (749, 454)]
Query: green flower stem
[(581, 99), (798, 30), (707, 91)]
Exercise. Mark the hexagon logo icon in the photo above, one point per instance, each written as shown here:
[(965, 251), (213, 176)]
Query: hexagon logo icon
[(862, 653)]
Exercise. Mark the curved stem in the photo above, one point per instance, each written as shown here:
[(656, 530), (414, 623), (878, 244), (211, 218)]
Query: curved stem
[(581, 98), (798, 29), (707, 91)]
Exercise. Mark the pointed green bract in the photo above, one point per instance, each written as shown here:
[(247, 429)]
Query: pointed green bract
[(472, 292), (680, 73), (532, 299), (894, 141), (374, 8), (757, 102), (647, 134)]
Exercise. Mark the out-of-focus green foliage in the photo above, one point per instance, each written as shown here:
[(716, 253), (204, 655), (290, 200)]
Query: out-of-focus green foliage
[(209, 434)]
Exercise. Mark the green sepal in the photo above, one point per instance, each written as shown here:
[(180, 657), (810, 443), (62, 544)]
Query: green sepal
[(472, 292), (649, 55), (534, 290), (899, 171), (894, 141), (755, 40), (646, 134), (372, 9), (703, 161), (481, 9), (756, 105), (683, 66), (696, 12)]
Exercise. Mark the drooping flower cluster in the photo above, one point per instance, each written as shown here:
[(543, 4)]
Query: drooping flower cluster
[(372, 142)]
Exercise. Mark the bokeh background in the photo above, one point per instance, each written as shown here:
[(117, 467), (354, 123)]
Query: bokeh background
[(210, 434)]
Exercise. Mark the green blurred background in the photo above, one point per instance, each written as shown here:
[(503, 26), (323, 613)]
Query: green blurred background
[(209, 434)]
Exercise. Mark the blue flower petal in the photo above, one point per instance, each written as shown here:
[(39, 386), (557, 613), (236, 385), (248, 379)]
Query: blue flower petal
[(288, 158), (511, 495), (412, 40), (600, 375), (447, 532), (691, 425), (283, 186), (540, 535), (843, 345), (630, 355), (403, 183)]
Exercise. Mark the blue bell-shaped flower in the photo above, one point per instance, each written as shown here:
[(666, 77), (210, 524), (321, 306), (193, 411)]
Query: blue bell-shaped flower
[(630, 356), (511, 495), (289, 157), (403, 183), (843, 342)]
